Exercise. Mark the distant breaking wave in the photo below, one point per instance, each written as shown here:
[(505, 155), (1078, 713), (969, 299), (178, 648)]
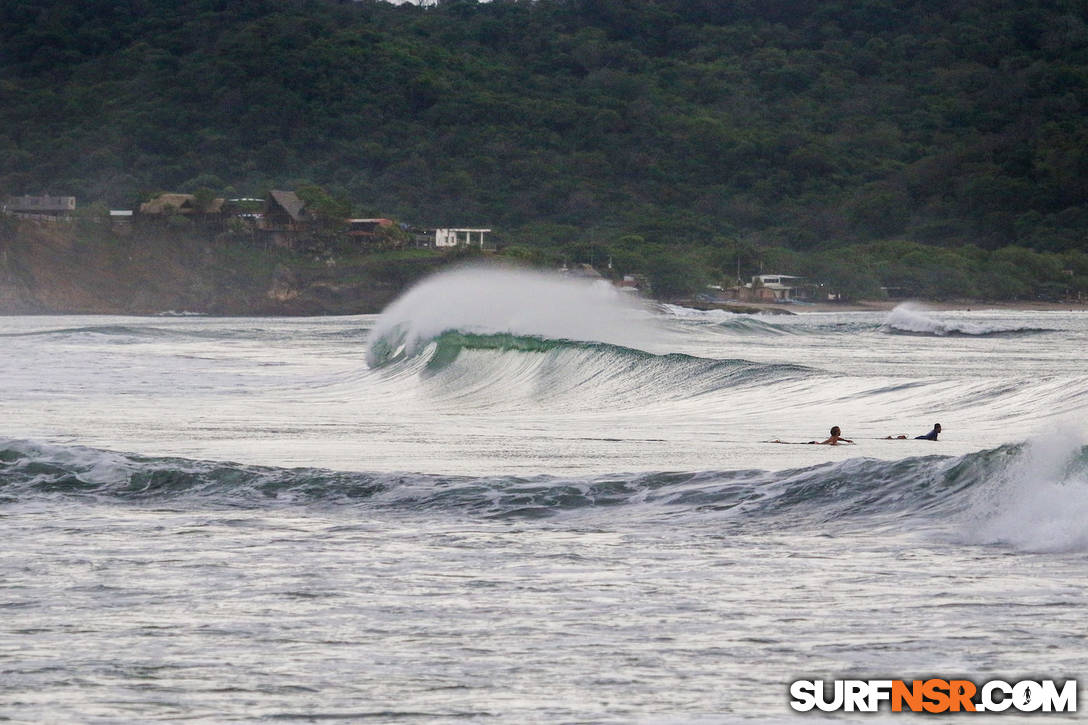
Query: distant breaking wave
[(907, 319), (499, 370), (1030, 496), (586, 340), (524, 304), (731, 321), (447, 347)]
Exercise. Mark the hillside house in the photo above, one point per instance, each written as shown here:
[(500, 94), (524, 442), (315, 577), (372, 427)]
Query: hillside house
[(366, 229), (775, 288), (212, 215), (41, 207), (429, 237), (248, 208), (421, 237), (584, 271), (121, 219), (285, 221), (457, 237)]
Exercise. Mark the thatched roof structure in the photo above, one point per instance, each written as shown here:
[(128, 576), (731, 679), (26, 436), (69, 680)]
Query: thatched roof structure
[(289, 202), (182, 203)]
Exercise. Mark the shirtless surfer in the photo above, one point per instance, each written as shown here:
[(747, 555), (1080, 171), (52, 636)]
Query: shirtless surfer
[(834, 440)]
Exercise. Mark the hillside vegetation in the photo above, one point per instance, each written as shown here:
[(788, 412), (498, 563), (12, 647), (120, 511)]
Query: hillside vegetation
[(814, 135), (84, 268)]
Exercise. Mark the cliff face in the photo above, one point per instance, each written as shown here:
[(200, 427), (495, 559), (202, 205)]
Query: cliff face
[(51, 268)]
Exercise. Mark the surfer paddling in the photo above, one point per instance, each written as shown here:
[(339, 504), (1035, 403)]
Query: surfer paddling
[(835, 439), (930, 436)]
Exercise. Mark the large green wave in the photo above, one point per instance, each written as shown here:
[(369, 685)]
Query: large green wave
[(449, 345)]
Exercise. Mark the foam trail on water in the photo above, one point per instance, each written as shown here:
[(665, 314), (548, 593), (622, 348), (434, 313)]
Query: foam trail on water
[(690, 313), (1040, 502), (490, 300)]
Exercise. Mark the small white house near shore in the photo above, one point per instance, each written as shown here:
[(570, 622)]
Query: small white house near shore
[(775, 288), (40, 207), (454, 237)]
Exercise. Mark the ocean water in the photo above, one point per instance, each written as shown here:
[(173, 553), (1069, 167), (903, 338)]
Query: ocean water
[(520, 498)]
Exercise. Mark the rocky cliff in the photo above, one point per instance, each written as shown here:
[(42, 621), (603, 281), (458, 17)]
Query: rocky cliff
[(61, 268)]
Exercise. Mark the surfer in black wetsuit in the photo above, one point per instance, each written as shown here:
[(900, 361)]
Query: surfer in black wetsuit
[(930, 436)]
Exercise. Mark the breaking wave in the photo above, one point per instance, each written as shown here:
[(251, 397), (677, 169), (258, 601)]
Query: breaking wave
[(520, 303), (1039, 501), (1029, 496), (501, 330), (503, 372), (605, 362), (732, 321), (907, 319)]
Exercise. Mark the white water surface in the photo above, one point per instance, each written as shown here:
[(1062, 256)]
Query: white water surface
[(218, 519)]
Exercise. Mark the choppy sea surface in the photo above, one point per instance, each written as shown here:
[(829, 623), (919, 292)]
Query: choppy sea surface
[(518, 498)]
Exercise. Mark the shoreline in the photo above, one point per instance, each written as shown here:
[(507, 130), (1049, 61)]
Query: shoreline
[(886, 306), (740, 308)]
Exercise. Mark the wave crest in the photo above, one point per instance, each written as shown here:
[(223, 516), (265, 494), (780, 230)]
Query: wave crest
[(908, 319), (488, 301), (1039, 501), (1012, 495)]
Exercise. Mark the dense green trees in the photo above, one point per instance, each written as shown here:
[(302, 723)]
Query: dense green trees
[(807, 126)]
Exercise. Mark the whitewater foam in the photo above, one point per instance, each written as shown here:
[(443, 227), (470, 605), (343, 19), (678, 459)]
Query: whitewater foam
[(911, 318), (690, 313), (1039, 502), (493, 300)]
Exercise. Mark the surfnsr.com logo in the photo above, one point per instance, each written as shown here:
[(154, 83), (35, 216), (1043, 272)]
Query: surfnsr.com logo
[(934, 695)]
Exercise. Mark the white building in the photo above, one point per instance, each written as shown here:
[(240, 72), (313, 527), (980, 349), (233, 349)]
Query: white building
[(775, 287), (455, 237), (40, 206)]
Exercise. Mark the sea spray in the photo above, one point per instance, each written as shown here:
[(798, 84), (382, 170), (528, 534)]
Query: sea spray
[(1039, 502), (491, 300), (910, 318)]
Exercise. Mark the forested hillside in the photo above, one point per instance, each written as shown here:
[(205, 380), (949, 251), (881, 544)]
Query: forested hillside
[(729, 128)]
